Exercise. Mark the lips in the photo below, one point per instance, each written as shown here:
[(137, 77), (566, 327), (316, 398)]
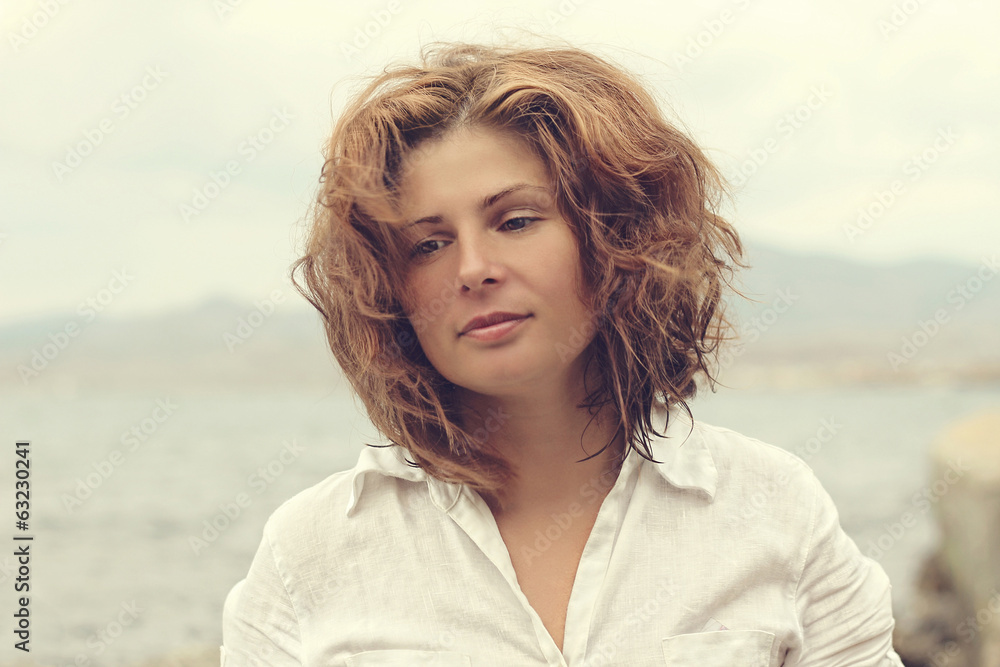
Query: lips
[(490, 319)]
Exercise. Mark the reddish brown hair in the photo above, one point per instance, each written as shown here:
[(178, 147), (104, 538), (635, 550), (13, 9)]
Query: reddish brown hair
[(642, 199)]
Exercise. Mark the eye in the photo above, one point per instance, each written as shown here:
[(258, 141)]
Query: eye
[(525, 219), (425, 248), (422, 249)]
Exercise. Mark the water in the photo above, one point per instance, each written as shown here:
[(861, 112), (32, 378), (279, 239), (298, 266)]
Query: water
[(117, 578)]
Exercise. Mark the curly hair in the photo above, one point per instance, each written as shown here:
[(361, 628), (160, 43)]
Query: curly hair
[(643, 201)]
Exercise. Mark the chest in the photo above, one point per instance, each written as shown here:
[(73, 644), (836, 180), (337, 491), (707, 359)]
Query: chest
[(545, 557)]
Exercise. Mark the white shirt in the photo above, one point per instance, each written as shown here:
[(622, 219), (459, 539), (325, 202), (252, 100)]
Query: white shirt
[(728, 553)]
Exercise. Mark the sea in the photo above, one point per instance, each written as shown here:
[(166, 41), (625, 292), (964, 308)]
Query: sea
[(146, 509)]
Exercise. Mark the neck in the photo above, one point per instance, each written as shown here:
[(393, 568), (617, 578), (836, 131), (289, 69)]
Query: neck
[(543, 435)]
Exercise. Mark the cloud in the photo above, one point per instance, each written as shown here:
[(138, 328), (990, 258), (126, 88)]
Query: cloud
[(227, 72)]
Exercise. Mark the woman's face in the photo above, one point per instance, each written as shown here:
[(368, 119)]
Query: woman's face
[(488, 238)]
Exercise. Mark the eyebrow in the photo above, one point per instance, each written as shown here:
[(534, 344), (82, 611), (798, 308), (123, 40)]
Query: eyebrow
[(488, 201)]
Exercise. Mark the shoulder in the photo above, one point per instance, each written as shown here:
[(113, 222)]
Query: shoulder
[(759, 479), (742, 457), (323, 520), (310, 511), (769, 496)]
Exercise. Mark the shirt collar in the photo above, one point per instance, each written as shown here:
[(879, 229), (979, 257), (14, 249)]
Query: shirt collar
[(685, 462), (685, 459), (388, 461)]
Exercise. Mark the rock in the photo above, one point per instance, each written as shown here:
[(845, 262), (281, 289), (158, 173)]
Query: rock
[(927, 636), (966, 480)]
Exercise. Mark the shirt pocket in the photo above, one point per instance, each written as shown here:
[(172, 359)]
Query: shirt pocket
[(724, 648), (408, 658)]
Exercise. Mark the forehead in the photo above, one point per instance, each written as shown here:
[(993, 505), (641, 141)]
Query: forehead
[(473, 161)]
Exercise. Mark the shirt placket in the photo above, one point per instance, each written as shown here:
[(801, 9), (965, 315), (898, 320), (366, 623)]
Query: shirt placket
[(595, 561), (472, 514), (475, 518)]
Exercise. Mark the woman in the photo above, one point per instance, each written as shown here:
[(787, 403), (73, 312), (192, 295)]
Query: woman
[(520, 268)]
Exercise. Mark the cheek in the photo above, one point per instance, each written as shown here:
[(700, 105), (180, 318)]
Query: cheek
[(426, 308), (581, 309), (409, 301), (413, 295), (567, 273)]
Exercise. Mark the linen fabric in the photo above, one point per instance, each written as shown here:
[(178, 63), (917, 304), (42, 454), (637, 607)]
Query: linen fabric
[(727, 552)]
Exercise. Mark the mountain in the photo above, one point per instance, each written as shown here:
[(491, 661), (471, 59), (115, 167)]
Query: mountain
[(812, 319)]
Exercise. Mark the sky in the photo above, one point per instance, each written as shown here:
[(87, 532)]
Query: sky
[(155, 155)]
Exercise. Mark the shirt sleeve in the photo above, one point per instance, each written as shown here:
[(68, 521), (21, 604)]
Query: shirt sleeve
[(843, 599), (259, 626)]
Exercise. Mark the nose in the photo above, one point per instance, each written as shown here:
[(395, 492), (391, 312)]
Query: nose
[(479, 262)]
